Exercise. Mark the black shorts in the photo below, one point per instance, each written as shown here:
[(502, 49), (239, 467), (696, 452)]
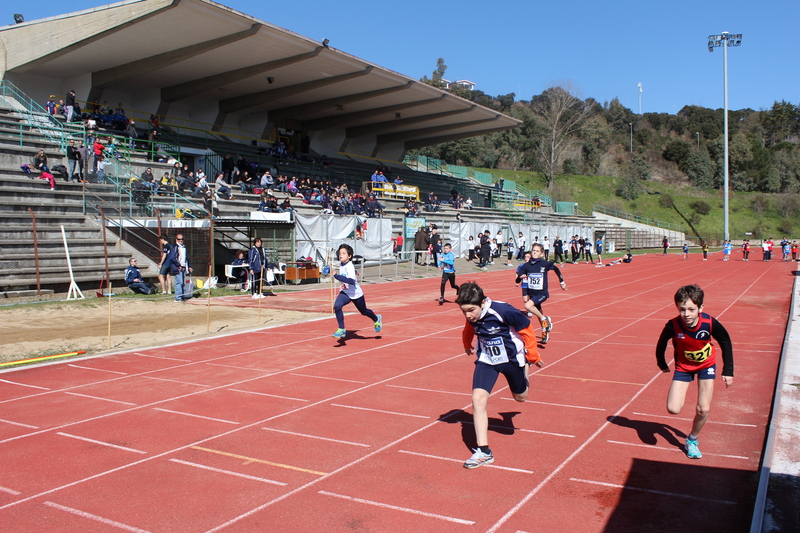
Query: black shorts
[(485, 376), (537, 297)]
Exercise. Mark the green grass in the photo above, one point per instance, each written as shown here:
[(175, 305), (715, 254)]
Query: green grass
[(588, 191)]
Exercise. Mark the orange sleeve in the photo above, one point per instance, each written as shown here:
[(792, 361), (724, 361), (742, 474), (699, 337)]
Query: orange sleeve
[(467, 334), (529, 337)]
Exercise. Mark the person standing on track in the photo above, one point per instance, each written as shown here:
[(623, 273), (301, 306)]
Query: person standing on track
[(350, 292), (686, 251), (746, 250), (534, 275), (447, 266), (691, 333), (506, 345)]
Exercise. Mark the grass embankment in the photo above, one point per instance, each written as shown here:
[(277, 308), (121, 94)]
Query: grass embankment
[(743, 214)]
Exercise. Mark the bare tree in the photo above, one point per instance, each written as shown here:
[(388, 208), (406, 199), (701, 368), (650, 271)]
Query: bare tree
[(561, 115)]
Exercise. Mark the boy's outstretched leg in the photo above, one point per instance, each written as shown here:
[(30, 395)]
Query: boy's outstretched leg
[(705, 391), (483, 455)]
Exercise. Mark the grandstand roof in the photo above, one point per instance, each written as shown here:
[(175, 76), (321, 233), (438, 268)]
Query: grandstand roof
[(196, 59)]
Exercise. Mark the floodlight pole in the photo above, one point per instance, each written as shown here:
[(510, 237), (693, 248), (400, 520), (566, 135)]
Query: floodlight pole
[(724, 40)]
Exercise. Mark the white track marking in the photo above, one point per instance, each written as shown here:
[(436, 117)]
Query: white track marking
[(690, 419), (228, 472), (23, 385), (513, 428), (194, 415), (317, 437), (325, 377), (10, 491), (240, 367), (101, 443), (270, 395), (660, 492), (176, 381), (558, 404), (378, 410), (90, 516), (430, 390), (163, 357), (673, 449), (98, 369), (396, 508), (19, 424), (98, 398), (453, 460)]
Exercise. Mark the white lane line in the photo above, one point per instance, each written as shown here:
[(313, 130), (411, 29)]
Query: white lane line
[(23, 384), (453, 460), (163, 357), (430, 390), (195, 416), (325, 377), (240, 367), (512, 428), (101, 519), (318, 437), (237, 474), (10, 491), (270, 395), (98, 369), (99, 398), (558, 404), (19, 424), (673, 449), (176, 381), (661, 492), (101, 443), (378, 410), (396, 508), (689, 419)]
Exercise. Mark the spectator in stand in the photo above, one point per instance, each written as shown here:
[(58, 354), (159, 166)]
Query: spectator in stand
[(242, 166), (130, 131), (120, 111), (152, 141), (373, 206), (61, 109), (200, 185), (222, 186), (133, 277), (73, 161), (291, 187), (410, 208), (286, 205), (40, 162), (169, 184), (227, 166), (246, 181), (101, 169), (267, 181), (210, 203), (148, 179), (91, 130), (70, 105), (468, 203), (50, 106), (83, 163)]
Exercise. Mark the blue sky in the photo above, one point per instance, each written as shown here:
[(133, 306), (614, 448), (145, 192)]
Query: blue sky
[(604, 48)]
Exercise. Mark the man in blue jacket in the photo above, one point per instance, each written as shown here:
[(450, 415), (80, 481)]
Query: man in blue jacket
[(133, 277)]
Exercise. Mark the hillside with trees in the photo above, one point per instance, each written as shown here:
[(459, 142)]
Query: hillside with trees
[(564, 134)]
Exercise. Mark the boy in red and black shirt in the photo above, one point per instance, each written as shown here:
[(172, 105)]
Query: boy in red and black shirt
[(691, 333)]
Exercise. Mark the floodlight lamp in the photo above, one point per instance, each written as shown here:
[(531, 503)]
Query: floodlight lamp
[(325, 42), (18, 18), (270, 80)]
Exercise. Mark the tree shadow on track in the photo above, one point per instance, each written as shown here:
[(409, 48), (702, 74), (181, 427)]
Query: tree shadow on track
[(649, 430), (504, 425)]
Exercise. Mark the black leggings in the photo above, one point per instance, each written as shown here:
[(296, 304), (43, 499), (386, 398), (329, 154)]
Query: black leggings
[(342, 300), (448, 276)]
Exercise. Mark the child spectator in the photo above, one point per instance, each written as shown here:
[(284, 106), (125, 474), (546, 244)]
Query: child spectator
[(726, 250), (691, 333), (705, 251), (686, 251), (506, 345)]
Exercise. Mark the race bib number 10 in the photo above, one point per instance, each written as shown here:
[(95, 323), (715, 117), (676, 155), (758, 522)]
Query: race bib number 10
[(494, 350)]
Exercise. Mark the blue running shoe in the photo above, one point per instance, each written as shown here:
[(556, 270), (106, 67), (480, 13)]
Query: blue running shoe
[(692, 450), (379, 323), (340, 333)]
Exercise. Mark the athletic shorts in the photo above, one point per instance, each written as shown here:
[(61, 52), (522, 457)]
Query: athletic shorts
[(485, 376), (165, 268), (537, 297), (688, 377)]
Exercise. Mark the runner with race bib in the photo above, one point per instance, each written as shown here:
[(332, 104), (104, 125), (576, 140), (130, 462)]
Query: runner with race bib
[(532, 276)]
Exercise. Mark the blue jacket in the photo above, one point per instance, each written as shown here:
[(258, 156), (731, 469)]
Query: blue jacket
[(256, 259), (132, 273), (172, 260)]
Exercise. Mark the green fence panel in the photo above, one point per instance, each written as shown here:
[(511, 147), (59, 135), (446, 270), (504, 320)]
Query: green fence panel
[(565, 208)]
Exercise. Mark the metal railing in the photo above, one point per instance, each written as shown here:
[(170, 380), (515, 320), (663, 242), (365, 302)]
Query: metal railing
[(639, 219), (37, 116)]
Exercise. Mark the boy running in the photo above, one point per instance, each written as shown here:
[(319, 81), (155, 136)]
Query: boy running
[(691, 333), (447, 266), (506, 342), (533, 276), (686, 251), (350, 292)]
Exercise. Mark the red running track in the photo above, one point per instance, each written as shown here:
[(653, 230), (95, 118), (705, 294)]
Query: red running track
[(287, 429)]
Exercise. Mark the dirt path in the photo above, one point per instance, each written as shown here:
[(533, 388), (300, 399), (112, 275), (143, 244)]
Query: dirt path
[(52, 328)]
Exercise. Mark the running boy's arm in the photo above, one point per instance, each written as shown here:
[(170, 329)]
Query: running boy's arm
[(467, 334), (560, 277), (666, 335), (720, 334)]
